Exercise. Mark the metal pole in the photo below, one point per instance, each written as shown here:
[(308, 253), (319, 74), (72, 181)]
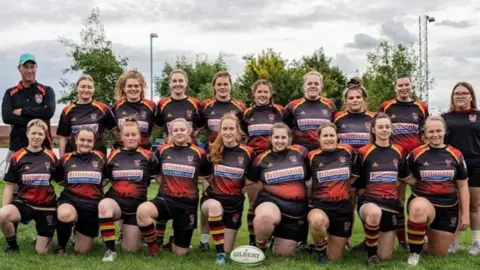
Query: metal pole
[(420, 56), (151, 67)]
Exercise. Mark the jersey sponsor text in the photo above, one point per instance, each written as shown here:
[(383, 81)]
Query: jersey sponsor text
[(130, 175), (259, 129), (354, 138), (311, 123), (36, 179), (284, 175), (387, 176), (437, 175), (404, 128), (229, 172), (84, 177), (178, 170), (339, 174)]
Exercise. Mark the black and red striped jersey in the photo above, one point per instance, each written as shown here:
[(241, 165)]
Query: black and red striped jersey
[(378, 169), (258, 121), (82, 174), (33, 172), (283, 173), (463, 133), (170, 109), (408, 120), (180, 167), (130, 171), (228, 176), (212, 111), (95, 115), (436, 170), (144, 111), (331, 172), (353, 128), (306, 116)]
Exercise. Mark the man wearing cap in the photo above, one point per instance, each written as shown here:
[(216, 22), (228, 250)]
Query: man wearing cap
[(27, 100)]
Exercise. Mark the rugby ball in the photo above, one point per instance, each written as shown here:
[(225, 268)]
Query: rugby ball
[(247, 255)]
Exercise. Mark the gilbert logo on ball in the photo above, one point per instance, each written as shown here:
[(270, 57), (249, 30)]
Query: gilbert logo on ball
[(247, 255)]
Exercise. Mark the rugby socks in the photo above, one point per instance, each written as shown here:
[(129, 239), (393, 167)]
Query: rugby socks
[(321, 247), (64, 231), (401, 234), (149, 235), (161, 226), (217, 229), (250, 217), (416, 236), (262, 245), (476, 236), (204, 238), (12, 241), (107, 231), (371, 238)]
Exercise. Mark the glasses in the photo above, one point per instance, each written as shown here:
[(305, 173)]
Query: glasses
[(464, 94)]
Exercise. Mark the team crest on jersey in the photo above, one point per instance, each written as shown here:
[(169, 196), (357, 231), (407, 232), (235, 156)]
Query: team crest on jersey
[(240, 160), (394, 220), (93, 116), (367, 125), (144, 114), (325, 112), (189, 113), (137, 163), (50, 220), (293, 159), (415, 116), (395, 163), (271, 116), (95, 164), (192, 219), (448, 162), (342, 159), (47, 165), (472, 117), (38, 98), (190, 159)]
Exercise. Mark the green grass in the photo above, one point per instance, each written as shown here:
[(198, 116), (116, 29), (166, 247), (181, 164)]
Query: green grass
[(28, 259)]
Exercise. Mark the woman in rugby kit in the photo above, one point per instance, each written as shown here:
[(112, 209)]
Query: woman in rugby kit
[(281, 206), (331, 207), (439, 189), (222, 201), (84, 112), (212, 110), (408, 118), (379, 166), (31, 168), (257, 122), (463, 133), (181, 163), (131, 101), (129, 170), (82, 174), (178, 104)]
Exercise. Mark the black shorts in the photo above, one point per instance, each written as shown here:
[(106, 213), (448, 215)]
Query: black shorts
[(340, 216), (294, 216), (473, 175), (128, 206), (232, 208), (87, 214), (446, 218), (390, 221), (45, 220), (184, 215)]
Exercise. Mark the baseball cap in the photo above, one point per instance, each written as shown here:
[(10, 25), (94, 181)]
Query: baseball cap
[(26, 57)]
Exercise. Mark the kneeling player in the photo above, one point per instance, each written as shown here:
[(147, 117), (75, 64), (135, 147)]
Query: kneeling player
[(32, 169), (129, 169), (181, 163), (281, 206), (331, 206), (439, 180)]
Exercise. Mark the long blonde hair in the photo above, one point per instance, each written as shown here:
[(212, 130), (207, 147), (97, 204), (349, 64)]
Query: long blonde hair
[(122, 81), (216, 152)]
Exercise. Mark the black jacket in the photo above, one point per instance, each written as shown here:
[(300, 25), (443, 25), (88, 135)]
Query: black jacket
[(37, 102)]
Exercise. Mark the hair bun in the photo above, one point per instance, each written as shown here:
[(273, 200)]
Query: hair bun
[(355, 81)]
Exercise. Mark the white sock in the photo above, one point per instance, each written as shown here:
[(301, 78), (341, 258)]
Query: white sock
[(204, 238), (476, 236)]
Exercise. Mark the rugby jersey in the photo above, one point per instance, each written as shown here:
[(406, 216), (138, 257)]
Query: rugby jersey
[(353, 128)]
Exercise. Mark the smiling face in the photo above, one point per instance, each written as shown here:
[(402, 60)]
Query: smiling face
[(354, 100), (222, 88), (328, 138), (382, 129), (435, 132), (28, 71), (228, 131), (262, 95), (178, 84), (462, 98), (85, 90), (403, 88), (280, 139), (130, 136), (312, 87), (36, 135), (133, 90), (180, 132), (84, 141)]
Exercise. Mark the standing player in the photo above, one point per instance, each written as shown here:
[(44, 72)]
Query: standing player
[(131, 101), (181, 164), (129, 169), (81, 173), (257, 122), (178, 104), (33, 169), (463, 133), (408, 118), (222, 201), (85, 112), (379, 166), (281, 206), (439, 187), (331, 208), (212, 110)]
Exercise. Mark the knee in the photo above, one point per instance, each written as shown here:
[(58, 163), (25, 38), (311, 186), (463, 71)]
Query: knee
[(181, 251), (143, 212), (283, 252), (129, 248), (65, 216), (373, 217), (3, 216), (317, 223), (417, 213), (42, 251), (475, 206), (215, 210), (82, 250), (104, 211), (263, 219)]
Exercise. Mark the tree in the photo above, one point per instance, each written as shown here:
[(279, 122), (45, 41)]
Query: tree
[(200, 74), (384, 64), (93, 56)]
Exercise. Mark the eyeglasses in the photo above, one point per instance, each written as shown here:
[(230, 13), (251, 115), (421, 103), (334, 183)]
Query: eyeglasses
[(463, 94)]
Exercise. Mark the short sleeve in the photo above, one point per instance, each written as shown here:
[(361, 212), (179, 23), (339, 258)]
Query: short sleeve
[(404, 171), (60, 171), (253, 173), (154, 165), (461, 170), (64, 128), (12, 175), (110, 121), (205, 165)]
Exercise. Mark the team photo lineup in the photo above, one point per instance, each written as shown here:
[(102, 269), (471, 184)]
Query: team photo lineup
[(304, 170)]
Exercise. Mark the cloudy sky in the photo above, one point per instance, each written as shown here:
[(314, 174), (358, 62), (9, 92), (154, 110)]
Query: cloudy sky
[(346, 29)]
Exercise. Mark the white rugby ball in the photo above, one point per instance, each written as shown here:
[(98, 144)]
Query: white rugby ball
[(247, 255)]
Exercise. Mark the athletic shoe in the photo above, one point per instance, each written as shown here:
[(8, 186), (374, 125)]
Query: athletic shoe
[(204, 247), (304, 246), (119, 239), (373, 260), (404, 246), (9, 249), (475, 249), (60, 251), (413, 258), (348, 245), (454, 247), (168, 245), (221, 259), (360, 247), (322, 258), (109, 256)]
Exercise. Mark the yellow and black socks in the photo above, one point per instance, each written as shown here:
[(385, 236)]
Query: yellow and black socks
[(251, 232), (217, 229), (107, 231), (416, 236), (401, 234), (149, 235), (371, 238)]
